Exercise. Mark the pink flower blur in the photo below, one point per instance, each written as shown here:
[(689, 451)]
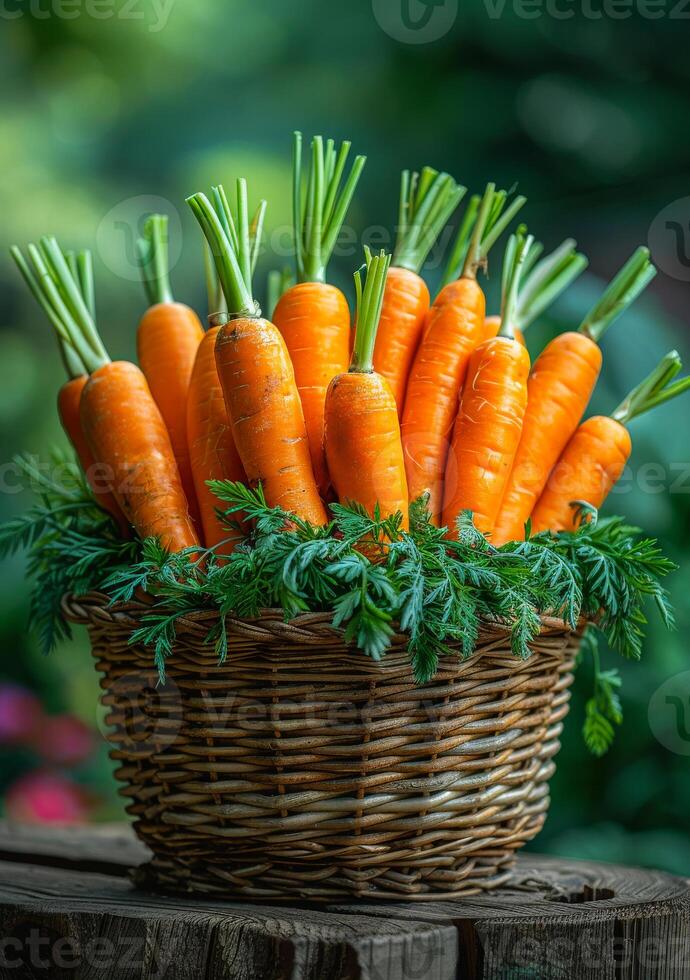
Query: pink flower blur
[(20, 714), (64, 740), (46, 797)]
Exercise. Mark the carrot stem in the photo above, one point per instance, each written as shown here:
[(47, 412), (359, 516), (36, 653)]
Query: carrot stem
[(70, 293), (458, 253), (547, 280), (225, 215), (426, 203), (230, 240), (489, 225), (216, 299), (499, 223), (516, 253), (152, 251), (71, 260), (654, 390), (318, 222), (474, 249), (369, 304), (531, 259), (86, 280), (256, 231), (623, 289), (51, 282), (277, 283)]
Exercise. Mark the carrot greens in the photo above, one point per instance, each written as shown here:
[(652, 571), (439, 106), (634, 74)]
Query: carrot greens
[(484, 222), (369, 303), (152, 251), (427, 201), (318, 217)]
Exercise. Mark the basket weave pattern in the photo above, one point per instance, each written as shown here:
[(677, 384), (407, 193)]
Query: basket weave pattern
[(302, 769)]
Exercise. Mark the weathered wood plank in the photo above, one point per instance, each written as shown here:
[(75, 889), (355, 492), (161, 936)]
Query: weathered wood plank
[(560, 919), (554, 919), (135, 936), (104, 848)]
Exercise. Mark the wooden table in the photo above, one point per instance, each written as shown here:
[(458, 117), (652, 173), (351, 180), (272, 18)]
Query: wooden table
[(69, 912)]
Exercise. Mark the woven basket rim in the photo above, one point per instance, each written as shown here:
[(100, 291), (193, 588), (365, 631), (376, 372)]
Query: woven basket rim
[(96, 606)]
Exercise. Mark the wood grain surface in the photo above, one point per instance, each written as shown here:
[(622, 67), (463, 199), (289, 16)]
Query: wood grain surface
[(68, 911)]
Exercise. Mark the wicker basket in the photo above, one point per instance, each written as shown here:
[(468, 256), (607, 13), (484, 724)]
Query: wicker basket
[(302, 769)]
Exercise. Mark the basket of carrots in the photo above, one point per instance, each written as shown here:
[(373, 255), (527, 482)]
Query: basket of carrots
[(337, 569)]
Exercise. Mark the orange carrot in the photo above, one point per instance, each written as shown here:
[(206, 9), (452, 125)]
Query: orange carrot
[(69, 400), (363, 444), (122, 425), (168, 337), (426, 203), (487, 429), (212, 451), (255, 370), (312, 316), (42, 285), (125, 431), (595, 457), (560, 386), (543, 283), (454, 328)]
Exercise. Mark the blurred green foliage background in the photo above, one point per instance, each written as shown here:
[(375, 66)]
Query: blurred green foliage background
[(103, 118)]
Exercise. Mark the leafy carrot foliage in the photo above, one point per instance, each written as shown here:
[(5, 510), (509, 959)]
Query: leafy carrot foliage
[(373, 578)]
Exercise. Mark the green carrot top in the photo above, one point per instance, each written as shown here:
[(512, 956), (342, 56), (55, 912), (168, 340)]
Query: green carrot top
[(658, 387), (623, 289), (544, 281), (62, 284), (483, 223), (216, 299), (234, 243), (427, 201), (369, 304), (152, 252), (319, 218), (518, 249), (278, 282)]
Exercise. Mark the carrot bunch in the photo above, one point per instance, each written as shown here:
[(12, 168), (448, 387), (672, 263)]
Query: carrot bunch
[(120, 425), (40, 278), (427, 201), (256, 372), (453, 329), (313, 316), (212, 450), (595, 457), (542, 283), (488, 426), (168, 338), (560, 386), (363, 444), (436, 401)]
